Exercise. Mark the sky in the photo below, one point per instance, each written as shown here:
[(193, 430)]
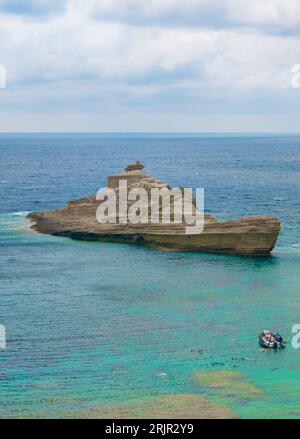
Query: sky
[(149, 65)]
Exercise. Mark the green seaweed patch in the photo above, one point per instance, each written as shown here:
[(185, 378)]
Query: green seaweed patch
[(229, 383), (217, 379), (58, 400), (169, 406)]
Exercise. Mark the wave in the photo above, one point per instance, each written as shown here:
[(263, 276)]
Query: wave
[(292, 249), (20, 213)]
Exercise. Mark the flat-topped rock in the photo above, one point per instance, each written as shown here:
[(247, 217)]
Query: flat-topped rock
[(254, 235)]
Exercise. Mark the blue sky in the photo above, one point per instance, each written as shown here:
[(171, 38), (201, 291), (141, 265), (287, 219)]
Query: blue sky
[(137, 65)]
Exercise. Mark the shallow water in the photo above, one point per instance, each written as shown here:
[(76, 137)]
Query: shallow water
[(99, 324)]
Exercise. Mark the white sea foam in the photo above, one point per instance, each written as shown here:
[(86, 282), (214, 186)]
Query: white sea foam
[(292, 249), (21, 213)]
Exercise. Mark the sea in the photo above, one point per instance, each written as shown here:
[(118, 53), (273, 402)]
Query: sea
[(103, 327)]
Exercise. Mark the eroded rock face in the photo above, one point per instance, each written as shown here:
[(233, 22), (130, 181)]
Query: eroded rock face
[(246, 236)]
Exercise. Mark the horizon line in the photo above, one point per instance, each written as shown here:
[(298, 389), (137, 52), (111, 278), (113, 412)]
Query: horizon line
[(158, 132)]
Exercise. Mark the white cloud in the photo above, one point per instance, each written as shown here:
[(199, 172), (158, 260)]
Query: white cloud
[(73, 47), (210, 13), (74, 60)]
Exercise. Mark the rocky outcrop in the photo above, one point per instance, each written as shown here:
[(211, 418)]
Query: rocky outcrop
[(255, 235)]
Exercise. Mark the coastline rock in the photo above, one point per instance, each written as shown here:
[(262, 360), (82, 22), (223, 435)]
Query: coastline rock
[(255, 235)]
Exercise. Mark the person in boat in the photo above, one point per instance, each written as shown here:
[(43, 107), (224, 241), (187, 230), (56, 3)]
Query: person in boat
[(270, 340), (268, 336)]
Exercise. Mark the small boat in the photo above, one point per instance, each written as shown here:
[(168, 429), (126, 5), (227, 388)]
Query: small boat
[(268, 340)]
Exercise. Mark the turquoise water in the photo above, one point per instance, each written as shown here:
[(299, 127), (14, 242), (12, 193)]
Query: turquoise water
[(99, 324)]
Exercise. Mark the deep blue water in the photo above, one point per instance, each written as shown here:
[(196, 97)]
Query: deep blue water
[(91, 324)]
